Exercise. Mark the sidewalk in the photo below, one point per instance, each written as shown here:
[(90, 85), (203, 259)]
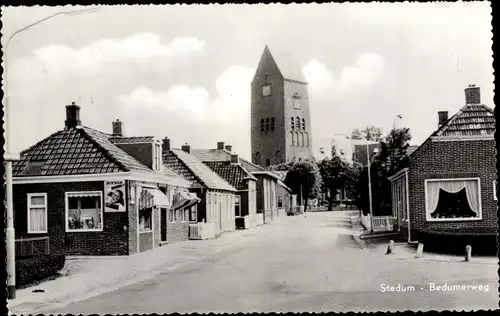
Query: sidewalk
[(86, 277), (406, 251)]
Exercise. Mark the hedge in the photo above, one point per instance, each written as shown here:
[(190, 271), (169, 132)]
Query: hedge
[(38, 268)]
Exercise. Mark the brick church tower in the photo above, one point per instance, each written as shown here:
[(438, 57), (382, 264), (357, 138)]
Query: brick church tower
[(280, 116)]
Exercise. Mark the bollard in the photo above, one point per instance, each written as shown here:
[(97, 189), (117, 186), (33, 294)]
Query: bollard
[(420, 250), (468, 252), (390, 248)]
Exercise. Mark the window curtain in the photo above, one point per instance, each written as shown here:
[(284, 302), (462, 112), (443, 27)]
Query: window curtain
[(37, 219), (471, 188)]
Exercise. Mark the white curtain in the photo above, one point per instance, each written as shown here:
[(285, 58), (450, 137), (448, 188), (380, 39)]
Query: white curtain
[(471, 187), (37, 219)]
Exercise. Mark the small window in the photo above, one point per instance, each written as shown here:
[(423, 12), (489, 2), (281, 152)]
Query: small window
[(193, 214), (280, 201), (34, 167), (272, 124), (37, 213), (266, 90), (303, 124), (262, 126), (84, 211), (265, 77), (292, 123), (257, 158), (146, 219), (296, 101), (297, 122)]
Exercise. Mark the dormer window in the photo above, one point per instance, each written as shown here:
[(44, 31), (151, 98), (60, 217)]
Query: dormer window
[(157, 157), (266, 90), (34, 167), (296, 101)]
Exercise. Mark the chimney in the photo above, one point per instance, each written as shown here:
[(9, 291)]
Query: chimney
[(166, 145), (117, 128), (472, 95), (229, 148), (220, 145), (186, 148), (442, 117), (235, 159), (72, 116)]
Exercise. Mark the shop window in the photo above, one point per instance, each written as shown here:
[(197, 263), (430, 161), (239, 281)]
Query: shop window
[(453, 199), (146, 219), (280, 201), (237, 206), (84, 211), (37, 213)]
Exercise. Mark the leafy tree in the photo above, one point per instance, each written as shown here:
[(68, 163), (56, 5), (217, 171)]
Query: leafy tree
[(304, 179), (369, 132), (337, 174), (356, 134), (392, 156)]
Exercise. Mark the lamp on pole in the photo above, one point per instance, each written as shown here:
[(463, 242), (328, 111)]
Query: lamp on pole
[(10, 156), (369, 159)]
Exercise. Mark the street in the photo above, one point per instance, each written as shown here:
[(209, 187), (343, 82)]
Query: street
[(305, 263)]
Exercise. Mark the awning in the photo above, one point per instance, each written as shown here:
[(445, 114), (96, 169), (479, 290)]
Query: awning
[(183, 199), (152, 197)]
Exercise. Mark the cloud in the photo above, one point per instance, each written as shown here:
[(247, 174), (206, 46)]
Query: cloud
[(363, 74), (100, 56), (201, 118)]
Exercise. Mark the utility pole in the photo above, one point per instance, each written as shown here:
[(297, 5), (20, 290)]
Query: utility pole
[(10, 157)]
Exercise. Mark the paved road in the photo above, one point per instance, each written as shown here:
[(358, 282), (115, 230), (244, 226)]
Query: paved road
[(304, 263)]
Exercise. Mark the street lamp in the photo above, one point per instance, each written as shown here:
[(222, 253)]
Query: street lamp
[(369, 159), (10, 156)]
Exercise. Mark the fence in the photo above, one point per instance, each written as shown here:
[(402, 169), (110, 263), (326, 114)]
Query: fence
[(380, 223), (201, 231), (32, 246)]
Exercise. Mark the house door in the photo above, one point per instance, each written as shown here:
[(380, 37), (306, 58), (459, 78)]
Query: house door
[(163, 224)]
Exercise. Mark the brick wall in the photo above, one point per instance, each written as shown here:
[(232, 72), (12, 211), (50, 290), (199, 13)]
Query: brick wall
[(132, 220), (113, 240), (457, 159)]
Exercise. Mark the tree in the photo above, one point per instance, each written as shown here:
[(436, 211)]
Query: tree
[(337, 174), (303, 179), (392, 156), (370, 133)]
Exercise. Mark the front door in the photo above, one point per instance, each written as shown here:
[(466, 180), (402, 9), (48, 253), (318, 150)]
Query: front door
[(163, 224)]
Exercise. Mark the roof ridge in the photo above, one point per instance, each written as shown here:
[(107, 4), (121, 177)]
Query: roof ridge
[(104, 150), (451, 120)]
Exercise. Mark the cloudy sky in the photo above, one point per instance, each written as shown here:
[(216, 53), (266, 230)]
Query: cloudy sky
[(185, 71)]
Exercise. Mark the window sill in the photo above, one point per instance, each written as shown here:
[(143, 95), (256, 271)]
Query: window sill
[(438, 220), (38, 232), (145, 231), (84, 230)]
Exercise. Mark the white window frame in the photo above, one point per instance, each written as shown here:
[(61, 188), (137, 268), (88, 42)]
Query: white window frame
[(495, 190), (428, 217), (44, 195), (157, 163), (67, 195), (237, 202)]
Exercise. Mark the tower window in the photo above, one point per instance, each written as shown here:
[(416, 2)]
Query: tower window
[(272, 124), (265, 77), (303, 124), (293, 138), (261, 125), (268, 162), (296, 100), (266, 90), (297, 122), (306, 139), (292, 125), (257, 158), (267, 124)]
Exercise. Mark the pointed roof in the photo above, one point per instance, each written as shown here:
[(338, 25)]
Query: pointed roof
[(234, 174), (470, 120), (288, 64), (194, 170), (208, 155)]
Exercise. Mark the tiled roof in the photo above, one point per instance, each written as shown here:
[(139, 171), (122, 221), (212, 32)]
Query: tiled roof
[(288, 64), (471, 120), (139, 139), (232, 173), (194, 170), (75, 151), (208, 155)]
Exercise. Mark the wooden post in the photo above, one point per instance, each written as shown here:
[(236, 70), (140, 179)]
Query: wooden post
[(468, 253), (420, 250), (390, 248)]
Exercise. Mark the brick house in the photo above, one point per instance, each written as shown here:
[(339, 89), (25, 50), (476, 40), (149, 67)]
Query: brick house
[(448, 191), (217, 197), (93, 193), (257, 185)]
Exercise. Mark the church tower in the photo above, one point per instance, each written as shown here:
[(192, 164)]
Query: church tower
[(280, 116)]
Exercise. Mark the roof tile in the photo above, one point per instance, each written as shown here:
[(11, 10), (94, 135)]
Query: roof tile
[(471, 120)]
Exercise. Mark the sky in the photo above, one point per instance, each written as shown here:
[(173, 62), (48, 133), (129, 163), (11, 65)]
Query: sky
[(184, 71)]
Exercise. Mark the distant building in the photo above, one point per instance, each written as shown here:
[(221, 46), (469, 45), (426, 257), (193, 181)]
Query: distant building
[(280, 115)]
